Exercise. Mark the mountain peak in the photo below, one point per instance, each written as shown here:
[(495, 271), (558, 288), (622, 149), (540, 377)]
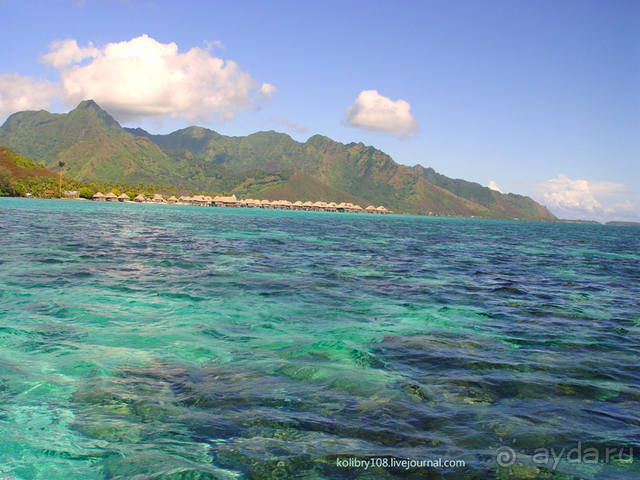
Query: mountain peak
[(87, 104), (92, 108), (317, 139)]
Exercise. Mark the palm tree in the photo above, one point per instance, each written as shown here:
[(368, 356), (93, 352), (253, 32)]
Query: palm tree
[(61, 164)]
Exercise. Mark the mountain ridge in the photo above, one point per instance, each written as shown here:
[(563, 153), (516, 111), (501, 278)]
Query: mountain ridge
[(96, 148)]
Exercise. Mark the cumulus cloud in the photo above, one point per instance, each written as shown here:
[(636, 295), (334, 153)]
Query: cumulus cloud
[(266, 90), (494, 186), (65, 52), (373, 111), (142, 78), (563, 192), (18, 92), (582, 197)]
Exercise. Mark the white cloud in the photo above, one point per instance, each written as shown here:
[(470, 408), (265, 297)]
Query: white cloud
[(563, 192), (266, 90), (65, 52), (575, 198), (211, 44), (18, 92), (621, 208), (373, 111), (494, 186), (143, 78)]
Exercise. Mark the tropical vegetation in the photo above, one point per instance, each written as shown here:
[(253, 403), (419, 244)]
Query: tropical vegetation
[(271, 165)]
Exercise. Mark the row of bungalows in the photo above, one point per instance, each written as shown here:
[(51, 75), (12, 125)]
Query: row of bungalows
[(233, 201), (123, 197), (310, 206), (110, 197), (202, 200)]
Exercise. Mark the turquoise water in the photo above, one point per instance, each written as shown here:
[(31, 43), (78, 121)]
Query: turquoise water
[(170, 342)]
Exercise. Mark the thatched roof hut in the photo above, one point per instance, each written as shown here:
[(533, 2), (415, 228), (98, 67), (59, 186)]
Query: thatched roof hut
[(265, 204), (98, 196), (199, 200), (139, 198), (370, 209), (157, 198), (282, 204), (382, 209), (111, 197), (252, 203), (70, 194), (222, 201), (172, 199), (123, 197)]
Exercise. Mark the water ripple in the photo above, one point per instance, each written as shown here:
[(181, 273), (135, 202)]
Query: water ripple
[(146, 342)]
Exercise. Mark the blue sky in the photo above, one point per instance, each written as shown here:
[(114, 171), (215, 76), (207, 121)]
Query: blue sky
[(541, 98)]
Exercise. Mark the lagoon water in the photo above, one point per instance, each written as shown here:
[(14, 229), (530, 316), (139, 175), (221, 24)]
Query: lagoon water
[(174, 342)]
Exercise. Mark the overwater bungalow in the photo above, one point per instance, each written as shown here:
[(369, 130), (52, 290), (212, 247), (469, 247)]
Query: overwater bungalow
[(98, 197), (71, 194), (139, 198), (297, 205), (265, 204), (123, 197), (157, 198), (185, 199), (199, 200), (370, 209), (319, 206), (307, 206), (351, 208), (172, 199), (111, 197), (382, 209), (231, 201), (281, 204), (252, 203)]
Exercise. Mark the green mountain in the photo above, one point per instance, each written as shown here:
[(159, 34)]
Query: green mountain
[(265, 164), (16, 167), (90, 141)]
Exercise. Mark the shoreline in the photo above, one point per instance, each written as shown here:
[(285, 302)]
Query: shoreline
[(611, 223)]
